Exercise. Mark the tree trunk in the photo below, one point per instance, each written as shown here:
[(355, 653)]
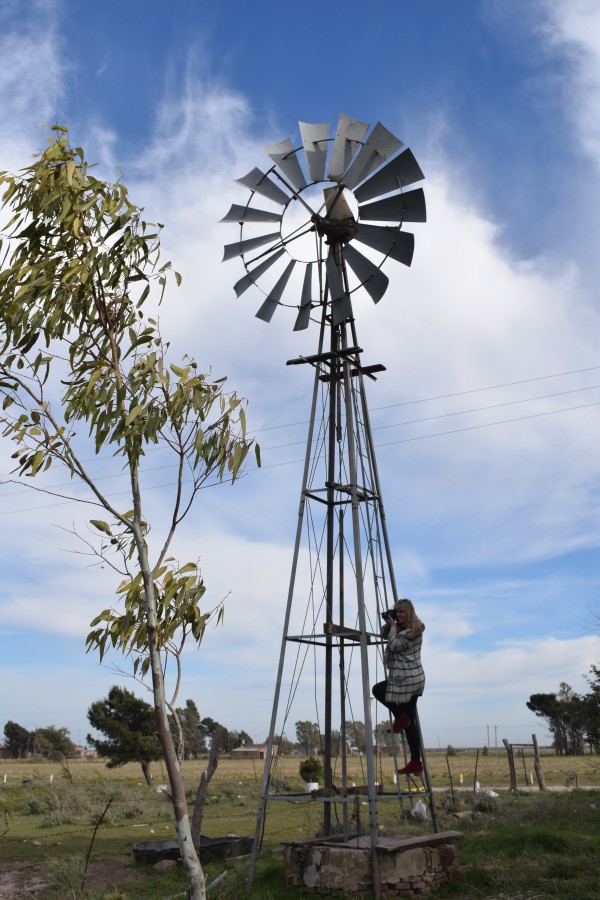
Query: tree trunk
[(147, 775), (207, 774), (195, 875)]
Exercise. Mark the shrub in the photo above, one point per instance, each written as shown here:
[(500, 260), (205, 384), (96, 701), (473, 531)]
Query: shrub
[(485, 803), (311, 769), (65, 873)]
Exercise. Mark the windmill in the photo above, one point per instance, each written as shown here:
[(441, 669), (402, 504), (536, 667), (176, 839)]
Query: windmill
[(298, 236)]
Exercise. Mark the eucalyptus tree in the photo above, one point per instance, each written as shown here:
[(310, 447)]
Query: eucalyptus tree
[(78, 351)]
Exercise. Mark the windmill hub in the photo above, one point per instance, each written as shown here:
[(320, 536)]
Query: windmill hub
[(335, 231)]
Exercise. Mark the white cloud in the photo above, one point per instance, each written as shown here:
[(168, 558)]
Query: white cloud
[(31, 77), (573, 29)]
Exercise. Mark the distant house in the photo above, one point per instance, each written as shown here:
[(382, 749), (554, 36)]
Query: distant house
[(5, 752), (252, 751), (83, 753)]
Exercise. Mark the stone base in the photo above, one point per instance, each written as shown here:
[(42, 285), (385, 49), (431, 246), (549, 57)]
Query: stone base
[(408, 866)]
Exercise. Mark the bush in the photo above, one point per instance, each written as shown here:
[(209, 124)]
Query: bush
[(311, 769), (65, 873), (450, 751)]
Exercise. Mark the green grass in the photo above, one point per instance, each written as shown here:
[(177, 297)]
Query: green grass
[(538, 846), (523, 845)]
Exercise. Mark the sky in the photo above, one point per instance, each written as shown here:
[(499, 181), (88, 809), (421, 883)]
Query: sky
[(486, 420)]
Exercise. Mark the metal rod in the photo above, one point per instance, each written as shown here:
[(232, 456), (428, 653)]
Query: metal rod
[(331, 523), (373, 459), (371, 772), (343, 747), (307, 459)]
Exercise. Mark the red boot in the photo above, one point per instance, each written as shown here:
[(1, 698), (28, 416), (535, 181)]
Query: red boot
[(414, 767), (400, 723)]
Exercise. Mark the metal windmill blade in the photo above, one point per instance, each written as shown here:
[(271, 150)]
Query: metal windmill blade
[(284, 157), (368, 273), (400, 245), (303, 317), (242, 214), (379, 146), (252, 276), (398, 173), (314, 140), (348, 139), (408, 207), (272, 302), (323, 192), (241, 247)]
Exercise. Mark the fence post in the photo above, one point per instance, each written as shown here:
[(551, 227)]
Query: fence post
[(537, 765), (511, 765)]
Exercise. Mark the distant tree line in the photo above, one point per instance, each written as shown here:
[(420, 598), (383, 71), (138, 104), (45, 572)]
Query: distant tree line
[(572, 719), (49, 742), (128, 729)]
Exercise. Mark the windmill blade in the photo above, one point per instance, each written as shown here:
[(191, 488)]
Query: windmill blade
[(408, 207), (400, 171), (379, 146), (284, 157), (272, 302), (251, 277), (341, 308), (314, 140), (230, 251), (258, 181), (348, 138), (303, 317), (241, 214), (398, 245), (368, 273)]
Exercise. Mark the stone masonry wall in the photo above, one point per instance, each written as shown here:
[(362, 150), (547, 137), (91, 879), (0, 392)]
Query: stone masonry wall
[(344, 870)]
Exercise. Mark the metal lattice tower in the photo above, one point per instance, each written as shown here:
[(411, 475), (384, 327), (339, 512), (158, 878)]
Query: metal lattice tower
[(321, 195)]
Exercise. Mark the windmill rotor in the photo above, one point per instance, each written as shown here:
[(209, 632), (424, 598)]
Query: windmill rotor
[(326, 195)]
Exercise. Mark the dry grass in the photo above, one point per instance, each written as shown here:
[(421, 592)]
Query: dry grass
[(491, 771)]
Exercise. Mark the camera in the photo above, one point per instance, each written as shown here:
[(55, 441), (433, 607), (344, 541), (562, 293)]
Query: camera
[(389, 613)]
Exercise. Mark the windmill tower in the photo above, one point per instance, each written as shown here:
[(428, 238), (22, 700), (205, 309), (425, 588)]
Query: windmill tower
[(297, 240)]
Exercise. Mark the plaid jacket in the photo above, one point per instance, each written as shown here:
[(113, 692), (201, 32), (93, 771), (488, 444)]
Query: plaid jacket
[(406, 677)]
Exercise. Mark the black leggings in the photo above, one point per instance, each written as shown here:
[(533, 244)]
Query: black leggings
[(410, 709)]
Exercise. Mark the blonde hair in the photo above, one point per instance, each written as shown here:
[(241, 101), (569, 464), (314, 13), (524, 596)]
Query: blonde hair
[(413, 622)]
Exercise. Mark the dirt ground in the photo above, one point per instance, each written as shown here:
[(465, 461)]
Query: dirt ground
[(26, 879)]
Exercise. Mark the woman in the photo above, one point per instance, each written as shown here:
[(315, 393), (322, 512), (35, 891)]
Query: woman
[(406, 679)]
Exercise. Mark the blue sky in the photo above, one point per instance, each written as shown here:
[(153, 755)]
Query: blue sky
[(494, 526)]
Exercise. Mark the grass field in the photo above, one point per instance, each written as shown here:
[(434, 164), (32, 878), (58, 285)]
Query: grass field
[(522, 845)]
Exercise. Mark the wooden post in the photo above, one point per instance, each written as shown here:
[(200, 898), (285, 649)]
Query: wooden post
[(475, 775), (511, 765), (451, 785), (537, 765)]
